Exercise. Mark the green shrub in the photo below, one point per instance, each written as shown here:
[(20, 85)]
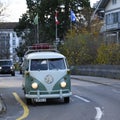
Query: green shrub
[(109, 54), (79, 48)]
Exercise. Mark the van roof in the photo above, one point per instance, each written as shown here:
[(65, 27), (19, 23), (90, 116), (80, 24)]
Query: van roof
[(44, 55)]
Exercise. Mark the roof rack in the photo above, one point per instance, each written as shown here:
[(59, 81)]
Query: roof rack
[(40, 48)]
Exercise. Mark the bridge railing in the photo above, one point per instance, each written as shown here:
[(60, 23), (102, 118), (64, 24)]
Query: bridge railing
[(109, 71)]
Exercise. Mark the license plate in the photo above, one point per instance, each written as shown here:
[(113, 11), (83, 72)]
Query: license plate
[(40, 100)]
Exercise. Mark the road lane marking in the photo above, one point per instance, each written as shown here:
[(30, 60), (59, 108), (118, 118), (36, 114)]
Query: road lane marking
[(26, 110), (116, 91), (99, 113), (81, 98)]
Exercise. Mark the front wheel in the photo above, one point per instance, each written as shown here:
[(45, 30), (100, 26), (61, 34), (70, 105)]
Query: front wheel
[(13, 74), (28, 101), (66, 100)]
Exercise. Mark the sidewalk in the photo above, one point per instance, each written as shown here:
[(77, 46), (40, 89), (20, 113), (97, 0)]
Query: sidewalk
[(2, 106), (98, 80)]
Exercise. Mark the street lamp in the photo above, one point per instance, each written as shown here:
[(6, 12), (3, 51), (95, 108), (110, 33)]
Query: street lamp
[(62, 8)]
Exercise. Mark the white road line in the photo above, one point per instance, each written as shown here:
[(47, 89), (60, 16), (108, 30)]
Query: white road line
[(99, 113), (116, 91), (81, 98)]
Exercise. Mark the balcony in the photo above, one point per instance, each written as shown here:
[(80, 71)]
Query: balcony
[(110, 27)]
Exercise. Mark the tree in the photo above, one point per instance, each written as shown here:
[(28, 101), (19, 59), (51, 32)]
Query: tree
[(109, 54), (46, 18), (2, 9), (79, 48)]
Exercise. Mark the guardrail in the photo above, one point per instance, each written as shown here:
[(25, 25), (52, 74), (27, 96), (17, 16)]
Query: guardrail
[(109, 71)]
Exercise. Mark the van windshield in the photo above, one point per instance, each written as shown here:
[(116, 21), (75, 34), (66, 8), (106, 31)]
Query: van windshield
[(45, 64), (58, 64)]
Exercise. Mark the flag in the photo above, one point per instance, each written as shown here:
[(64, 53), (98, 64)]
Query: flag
[(56, 16), (36, 19), (72, 16)]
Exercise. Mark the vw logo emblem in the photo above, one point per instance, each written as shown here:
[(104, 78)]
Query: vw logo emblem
[(48, 79)]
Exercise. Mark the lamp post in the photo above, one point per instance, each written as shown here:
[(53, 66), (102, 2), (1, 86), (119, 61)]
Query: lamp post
[(38, 38)]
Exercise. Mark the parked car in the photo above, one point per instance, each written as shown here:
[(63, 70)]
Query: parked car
[(7, 67)]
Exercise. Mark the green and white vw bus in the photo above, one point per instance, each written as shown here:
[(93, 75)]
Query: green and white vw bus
[(46, 75)]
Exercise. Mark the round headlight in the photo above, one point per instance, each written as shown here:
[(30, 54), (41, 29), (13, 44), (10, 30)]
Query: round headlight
[(0, 67), (34, 85), (63, 84)]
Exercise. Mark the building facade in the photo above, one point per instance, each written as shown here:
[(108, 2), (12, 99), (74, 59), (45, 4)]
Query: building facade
[(8, 41), (111, 27)]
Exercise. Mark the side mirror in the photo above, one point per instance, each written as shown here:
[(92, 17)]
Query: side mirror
[(72, 67), (26, 69)]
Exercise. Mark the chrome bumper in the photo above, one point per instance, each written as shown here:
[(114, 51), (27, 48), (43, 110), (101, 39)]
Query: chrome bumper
[(61, 94)]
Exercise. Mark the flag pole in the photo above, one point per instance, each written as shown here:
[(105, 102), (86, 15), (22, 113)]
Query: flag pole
[(70, 21), (71, 26), (36, 22), (56, 27), (56, 34), (73, 18), (38, 32), (37, 28)]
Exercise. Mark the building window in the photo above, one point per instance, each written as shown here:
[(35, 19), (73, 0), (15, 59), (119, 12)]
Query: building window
[(14, 42), (119, 17), (112, 18), (114, 2), (14, 50), (108, 19), (115, 17), (13, 34)]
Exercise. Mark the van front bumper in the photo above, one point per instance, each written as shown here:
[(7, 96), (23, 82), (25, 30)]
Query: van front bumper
[(39, 95)]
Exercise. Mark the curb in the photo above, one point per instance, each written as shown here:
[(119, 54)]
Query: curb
[(96, 80), (86, 80), (2, 106)]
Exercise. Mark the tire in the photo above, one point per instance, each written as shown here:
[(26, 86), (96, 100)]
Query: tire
[(66, 100), (28, 101), (13, 74), (20, 72)]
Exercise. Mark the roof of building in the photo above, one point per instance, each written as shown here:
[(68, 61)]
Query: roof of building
[(8, 25), (102, 4)]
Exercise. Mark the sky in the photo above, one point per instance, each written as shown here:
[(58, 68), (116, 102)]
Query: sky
[(93, 1), (15, 9)]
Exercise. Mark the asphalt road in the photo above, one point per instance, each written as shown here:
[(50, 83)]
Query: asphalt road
[(93, 98)]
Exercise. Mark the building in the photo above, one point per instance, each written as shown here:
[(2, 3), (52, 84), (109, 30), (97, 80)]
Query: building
[(8, 41), (111, 27)]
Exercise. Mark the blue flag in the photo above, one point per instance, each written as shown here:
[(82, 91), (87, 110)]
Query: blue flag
[(72, 16)]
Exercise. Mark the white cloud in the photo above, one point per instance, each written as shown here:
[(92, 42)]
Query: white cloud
[(93, 1)]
